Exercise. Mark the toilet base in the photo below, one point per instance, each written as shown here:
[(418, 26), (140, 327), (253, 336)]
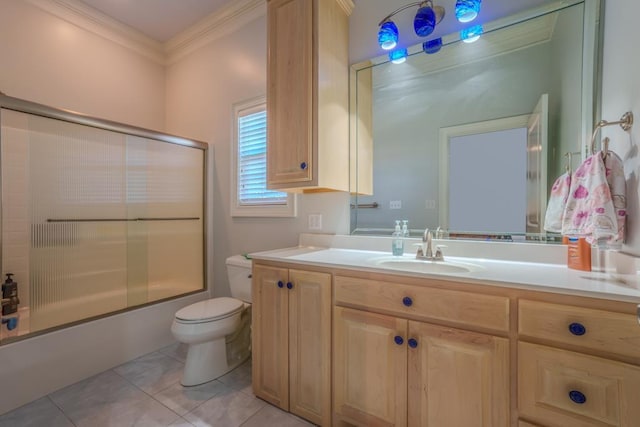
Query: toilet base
[(205, 362)]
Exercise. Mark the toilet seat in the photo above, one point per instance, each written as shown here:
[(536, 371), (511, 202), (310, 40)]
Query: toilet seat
[(209, 310)]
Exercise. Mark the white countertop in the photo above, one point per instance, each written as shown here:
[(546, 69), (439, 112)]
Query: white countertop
[(539, 276)]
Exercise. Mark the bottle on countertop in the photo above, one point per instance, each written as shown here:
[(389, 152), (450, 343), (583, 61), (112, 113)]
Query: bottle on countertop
[(405, 228), (397, 243)]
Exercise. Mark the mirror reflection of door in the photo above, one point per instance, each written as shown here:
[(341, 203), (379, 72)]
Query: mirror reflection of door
[(537, 134), (482, 186)]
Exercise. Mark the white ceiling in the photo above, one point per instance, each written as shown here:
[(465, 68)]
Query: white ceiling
[(158, 19)]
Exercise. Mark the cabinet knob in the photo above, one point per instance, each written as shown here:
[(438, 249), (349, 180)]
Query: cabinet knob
[(407, 301), (398, 340), (280, 284), (413, 343), (289, 285), (577, 397), (303, 165), (577, 329)]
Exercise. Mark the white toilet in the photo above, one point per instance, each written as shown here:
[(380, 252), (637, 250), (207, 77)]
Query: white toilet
[(217, 330)]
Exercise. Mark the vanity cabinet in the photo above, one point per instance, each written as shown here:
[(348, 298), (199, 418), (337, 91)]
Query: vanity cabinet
[(396, 370), (291, 340), (577, 366), (308, 94)]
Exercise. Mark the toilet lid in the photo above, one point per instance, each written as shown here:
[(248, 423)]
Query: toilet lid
[(209, 309)]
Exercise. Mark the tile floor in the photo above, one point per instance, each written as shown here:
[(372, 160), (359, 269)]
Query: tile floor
[(147, 392)]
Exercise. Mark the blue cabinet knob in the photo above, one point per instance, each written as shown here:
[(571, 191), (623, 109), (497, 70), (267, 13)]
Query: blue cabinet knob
[(289, 285), (577, 329), (303, 165), (398, 340), (577, 397), (413, 343), (280, 284), (407, 301)]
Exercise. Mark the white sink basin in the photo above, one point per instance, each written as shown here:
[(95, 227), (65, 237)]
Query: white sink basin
[(423, 266)]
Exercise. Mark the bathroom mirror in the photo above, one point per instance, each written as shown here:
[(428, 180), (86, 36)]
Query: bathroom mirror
[(425, 133)]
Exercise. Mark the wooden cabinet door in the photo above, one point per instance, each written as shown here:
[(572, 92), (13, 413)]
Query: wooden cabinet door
[(370, 369), (289, 93), (310, 346), (270, 335), (457, 378)]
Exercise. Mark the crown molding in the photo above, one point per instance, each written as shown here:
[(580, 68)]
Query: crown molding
[(90, 19), (214, 26)]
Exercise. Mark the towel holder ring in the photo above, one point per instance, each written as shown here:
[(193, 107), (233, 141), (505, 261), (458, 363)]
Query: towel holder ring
[(625, 122)]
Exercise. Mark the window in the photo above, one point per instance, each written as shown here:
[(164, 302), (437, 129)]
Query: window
[(249, 193)]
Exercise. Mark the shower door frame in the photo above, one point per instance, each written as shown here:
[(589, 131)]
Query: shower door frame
[(29, 107)]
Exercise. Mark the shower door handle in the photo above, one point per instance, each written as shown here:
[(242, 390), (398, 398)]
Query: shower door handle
[(187, 218)]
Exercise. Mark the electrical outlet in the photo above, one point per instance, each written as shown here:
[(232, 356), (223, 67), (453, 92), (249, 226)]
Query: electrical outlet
[(395, 204), (430, 204), (315, 222)]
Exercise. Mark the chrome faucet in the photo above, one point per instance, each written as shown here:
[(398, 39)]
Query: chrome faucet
[(425, 252)]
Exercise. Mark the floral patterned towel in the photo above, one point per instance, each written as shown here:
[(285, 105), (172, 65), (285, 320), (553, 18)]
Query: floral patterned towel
[(557, 203), (614, 169), (589, 212)]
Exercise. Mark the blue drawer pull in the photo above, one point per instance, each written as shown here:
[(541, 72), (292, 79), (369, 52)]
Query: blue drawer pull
[(577, 397), (289, 285), (398, 340), (280, 284), (303, 165), (407, 301), (577, 329), (413, 343)]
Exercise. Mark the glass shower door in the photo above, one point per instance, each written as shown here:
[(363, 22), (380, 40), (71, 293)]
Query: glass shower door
[(96, 221)]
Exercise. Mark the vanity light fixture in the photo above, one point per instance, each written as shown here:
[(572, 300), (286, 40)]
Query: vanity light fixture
[(467, 10), (432, 46), (425, 21), (398, 56), (471, 34)]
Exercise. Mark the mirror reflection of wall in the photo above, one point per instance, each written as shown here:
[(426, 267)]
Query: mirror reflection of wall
[(502, 75)]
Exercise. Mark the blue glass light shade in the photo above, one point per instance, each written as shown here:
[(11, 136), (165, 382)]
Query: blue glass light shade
[(388, 35), (467, 10), (432, 46), (398, 56), (471, 34), (425, 21)]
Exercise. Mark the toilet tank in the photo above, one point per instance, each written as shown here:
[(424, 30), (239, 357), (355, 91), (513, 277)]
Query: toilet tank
[(239, 274)]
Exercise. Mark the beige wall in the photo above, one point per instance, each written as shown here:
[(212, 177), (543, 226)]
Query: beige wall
[(51, 61), (201, 90)]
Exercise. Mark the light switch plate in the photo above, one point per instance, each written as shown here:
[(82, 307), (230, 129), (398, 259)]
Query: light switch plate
[(315, 222), (395, 204)]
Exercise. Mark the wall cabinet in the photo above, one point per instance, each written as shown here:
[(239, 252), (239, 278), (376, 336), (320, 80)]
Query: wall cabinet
[(291, 336), (308, 94)]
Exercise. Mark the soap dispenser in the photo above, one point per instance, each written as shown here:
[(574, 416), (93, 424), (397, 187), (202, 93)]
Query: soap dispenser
[(405, 228), (397, 243)]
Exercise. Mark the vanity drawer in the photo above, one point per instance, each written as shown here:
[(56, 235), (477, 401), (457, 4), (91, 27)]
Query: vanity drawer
[(559, 388), (587, 328), (471, 309)]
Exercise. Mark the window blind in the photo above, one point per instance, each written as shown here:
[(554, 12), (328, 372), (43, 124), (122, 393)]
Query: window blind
[(252, 162)]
